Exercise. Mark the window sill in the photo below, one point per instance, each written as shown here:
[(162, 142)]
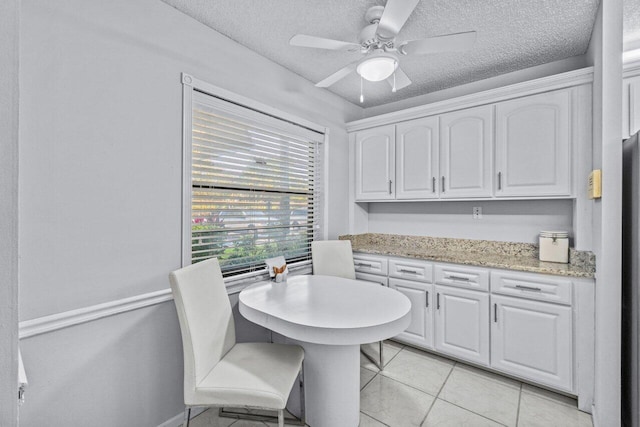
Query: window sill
[(236, 284)]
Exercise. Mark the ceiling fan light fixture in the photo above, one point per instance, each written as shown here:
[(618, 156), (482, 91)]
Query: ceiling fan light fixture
[(377, 67)]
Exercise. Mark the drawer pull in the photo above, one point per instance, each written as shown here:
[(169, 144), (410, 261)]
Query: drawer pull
[(528, 288), (363, 264), (402, 270), (464, 279)]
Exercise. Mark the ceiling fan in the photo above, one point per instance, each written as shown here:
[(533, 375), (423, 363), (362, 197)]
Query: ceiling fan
[(377, 41)]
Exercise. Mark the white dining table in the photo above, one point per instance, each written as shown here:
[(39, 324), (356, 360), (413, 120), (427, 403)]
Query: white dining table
[(329, 317)]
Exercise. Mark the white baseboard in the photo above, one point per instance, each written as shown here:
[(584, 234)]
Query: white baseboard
[(178, 420)]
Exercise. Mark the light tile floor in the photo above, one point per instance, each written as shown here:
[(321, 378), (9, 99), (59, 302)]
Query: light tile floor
[(424, 390)]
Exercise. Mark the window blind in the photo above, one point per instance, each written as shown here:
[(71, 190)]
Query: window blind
[(256, 186)]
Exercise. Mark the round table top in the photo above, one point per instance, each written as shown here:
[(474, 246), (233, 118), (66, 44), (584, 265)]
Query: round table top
[(327, 309)]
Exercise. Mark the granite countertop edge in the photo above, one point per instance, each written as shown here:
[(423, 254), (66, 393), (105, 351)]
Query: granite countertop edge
[(480, 259)]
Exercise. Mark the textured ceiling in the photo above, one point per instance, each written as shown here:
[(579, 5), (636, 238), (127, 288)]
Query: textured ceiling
[(512, 35)]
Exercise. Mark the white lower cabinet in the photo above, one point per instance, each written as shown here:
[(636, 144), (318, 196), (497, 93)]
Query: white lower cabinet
[(532, 340), (374, 278), (535, 327), (462, 324), (420, 330)]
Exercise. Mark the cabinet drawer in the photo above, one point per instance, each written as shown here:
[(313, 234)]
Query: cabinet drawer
[(531, 286), (373, 278), (370, 264), (462, 277), (411, 269)]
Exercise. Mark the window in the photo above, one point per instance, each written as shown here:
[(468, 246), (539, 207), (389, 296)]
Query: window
[(255, 186)]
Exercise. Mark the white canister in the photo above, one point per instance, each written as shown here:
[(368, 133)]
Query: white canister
[(554, 246)]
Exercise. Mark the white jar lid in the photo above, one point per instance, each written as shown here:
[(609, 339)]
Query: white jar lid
[(555, 234)]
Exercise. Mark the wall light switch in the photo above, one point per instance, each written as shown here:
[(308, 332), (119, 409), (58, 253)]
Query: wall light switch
[(595, 184)]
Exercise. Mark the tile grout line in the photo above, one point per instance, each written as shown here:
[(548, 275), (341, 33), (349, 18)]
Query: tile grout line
[(374, 418), (367, 383), (376, 373), (519, 402), (438, 394), (469, 410)]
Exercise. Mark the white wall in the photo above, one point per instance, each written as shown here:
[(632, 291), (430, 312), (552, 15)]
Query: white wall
[(509, 221), (100, 189), (605, 52), (9, 25)]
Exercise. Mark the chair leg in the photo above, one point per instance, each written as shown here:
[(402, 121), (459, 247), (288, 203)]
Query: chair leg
[(187, 416), (280, 417), (303, 419), (378, 362)]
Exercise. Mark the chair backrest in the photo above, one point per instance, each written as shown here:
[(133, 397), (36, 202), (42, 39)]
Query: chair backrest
[(333, 258), (206, 320)]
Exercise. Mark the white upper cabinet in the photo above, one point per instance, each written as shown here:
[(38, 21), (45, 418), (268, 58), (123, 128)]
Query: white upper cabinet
[(466, 153), (375, 163), (507, 144), (533, 146), (417, 159)]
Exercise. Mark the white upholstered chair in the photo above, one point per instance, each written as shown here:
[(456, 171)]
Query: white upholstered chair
[(218, 372), (335, 258)]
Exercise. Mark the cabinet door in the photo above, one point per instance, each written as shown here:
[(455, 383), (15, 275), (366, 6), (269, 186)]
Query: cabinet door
[(466, 153), (532, 340), (417, 159), (375, 163), (420, 330), (462, 324), (533, 146)]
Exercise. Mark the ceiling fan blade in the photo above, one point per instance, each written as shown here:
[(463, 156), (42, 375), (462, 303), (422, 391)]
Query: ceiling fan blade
[(448, 43), (304, 40), (395, 14), (338, 75), (402, 80)]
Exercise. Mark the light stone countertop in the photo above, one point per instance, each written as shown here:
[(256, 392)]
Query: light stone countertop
[(482, 253)]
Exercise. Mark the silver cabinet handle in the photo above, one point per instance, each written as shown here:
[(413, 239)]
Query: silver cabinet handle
[(427, 299), (390, 186), (499, 180), (495, 313), (438, 301), (433, 184), (402, 270), (529, 288), (363, 264), (464, 279), (443, 184)]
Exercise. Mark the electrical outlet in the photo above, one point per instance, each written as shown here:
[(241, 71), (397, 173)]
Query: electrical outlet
[(477, 212)]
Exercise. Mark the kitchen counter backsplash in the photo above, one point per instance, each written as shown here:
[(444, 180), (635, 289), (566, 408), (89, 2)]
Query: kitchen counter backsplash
[(485, 253)]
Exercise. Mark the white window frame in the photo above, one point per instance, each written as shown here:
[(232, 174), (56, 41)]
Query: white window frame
[(189, 84)]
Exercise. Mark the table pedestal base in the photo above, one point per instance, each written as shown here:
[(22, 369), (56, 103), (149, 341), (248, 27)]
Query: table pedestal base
[(332, 385)]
